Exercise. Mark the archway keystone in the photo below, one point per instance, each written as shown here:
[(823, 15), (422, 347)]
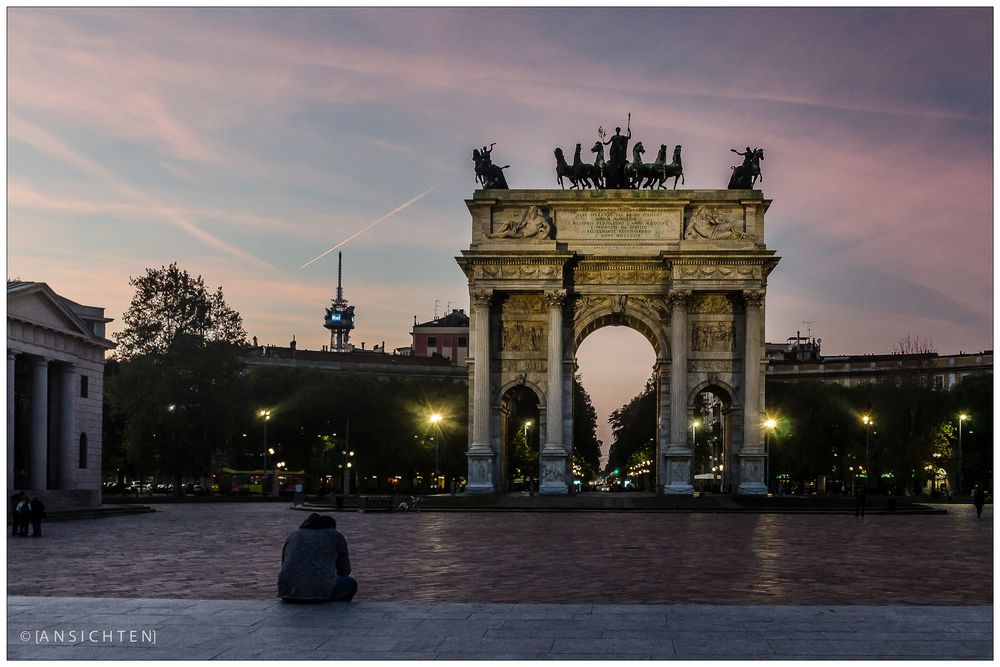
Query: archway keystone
[(685, 268)]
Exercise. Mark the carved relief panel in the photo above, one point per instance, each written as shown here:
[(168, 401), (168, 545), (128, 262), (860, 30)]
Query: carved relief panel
[(712, 336), (712, 223), (518, 337)]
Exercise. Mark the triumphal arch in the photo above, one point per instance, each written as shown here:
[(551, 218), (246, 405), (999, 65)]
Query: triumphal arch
[(685, 268)]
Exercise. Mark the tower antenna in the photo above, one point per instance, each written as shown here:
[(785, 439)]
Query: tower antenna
[(809, 330), (340, 267)]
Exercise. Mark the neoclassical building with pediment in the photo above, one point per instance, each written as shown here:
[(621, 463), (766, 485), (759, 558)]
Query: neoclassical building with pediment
[(687, 269), (55, 390)]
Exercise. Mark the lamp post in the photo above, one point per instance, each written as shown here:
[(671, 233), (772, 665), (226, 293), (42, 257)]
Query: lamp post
[(435, 419), (961, 420), (769, 427), (346, 468), (867, 421), (266, 416)]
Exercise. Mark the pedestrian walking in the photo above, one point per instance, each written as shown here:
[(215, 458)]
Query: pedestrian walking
[(860, 500), (36, 510), (15, 500), (979, 499), (23, 514)]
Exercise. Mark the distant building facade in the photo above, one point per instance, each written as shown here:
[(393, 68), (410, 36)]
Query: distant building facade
[(800, 360), (367, 362), (55, 390), (447, 336)]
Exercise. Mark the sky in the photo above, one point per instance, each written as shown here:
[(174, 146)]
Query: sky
[(243, 143)]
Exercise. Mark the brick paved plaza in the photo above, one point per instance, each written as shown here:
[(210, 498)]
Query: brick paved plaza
[(232, 551)]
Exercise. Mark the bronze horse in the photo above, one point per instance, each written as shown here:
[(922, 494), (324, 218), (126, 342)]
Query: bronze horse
[(745, 176)]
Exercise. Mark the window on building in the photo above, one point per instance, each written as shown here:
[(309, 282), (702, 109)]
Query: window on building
[(432, 341), (83, 450), (938, 382), (84, 386), (463, 341)]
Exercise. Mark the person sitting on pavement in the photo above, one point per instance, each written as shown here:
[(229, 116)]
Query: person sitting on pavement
[(315, 565)]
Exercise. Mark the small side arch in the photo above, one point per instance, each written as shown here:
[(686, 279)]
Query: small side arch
[(723, 390)]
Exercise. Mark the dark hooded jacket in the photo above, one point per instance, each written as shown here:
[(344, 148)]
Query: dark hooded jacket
[(313, 557)]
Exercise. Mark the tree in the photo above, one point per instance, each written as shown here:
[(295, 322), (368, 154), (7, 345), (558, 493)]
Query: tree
[(586, 446), (913, 345), (180, 361), (633, 425)]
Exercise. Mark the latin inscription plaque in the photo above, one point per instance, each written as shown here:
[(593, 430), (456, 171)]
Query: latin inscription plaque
[(617, 224)]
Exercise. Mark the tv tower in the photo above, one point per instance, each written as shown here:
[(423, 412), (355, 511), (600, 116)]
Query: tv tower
[(339, 316)]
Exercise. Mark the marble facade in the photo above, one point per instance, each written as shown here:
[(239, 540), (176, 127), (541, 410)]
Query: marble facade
[(687, 269)]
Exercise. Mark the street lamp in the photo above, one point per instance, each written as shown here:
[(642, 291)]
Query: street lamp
[(435, 419), (867, 421), (346, 468), (266, 416), (769, 427), (961, 418)]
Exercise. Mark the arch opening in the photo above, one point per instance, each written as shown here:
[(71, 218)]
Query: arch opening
[(520, 421), (711, 435), (615, 361)]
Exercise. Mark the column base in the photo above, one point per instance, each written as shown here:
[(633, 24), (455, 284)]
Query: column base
[(677, 463), (752, 482), (553, 471), (480, 471)]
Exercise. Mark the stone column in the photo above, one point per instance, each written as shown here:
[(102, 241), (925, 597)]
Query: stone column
[(39, 450), (69, 441), (11, 408), (678, 456), (554, 455), (751, 457), (481, 455), (663, 421)]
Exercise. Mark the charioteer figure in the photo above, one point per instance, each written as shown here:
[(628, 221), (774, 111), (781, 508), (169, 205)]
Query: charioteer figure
[(617, 156)]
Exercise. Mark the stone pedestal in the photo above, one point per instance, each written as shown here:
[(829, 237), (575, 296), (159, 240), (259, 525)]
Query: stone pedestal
[(752, 475)]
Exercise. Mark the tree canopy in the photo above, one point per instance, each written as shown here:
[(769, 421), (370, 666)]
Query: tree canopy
[(169, 307), (180, 357)]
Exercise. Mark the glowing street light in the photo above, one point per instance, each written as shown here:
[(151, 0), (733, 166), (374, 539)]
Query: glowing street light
[(436, 419), (868, 422), (769, 425), (266, 416), (961, 419)]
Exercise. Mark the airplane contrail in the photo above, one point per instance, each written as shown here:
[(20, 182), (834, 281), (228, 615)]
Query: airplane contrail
[(357, 234)]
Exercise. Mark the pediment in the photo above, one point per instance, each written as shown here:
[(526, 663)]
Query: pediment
[(40, 306)]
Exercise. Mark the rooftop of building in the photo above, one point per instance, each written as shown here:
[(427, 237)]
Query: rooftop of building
[(355, 356), (454, 319)]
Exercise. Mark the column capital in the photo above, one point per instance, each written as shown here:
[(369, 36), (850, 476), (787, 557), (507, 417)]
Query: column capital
[(481, 297), (753, 298), (555, 298), (11, 354), (40, 362), (678, 298)]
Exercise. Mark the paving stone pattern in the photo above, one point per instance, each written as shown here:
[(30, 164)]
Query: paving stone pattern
[(272, 630), (223, 551)]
